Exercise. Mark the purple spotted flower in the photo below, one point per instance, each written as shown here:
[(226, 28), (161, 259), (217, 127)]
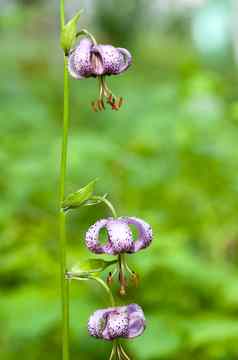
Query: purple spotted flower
[(120, 238), (119, 241), (91, 60), (117, 322)]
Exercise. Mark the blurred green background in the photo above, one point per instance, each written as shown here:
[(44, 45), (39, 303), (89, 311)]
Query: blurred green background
[(170, 156)]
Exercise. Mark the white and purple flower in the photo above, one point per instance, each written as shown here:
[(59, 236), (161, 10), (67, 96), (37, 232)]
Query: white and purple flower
[(120, 238), (117, 322), (119, 242), (91, 60)]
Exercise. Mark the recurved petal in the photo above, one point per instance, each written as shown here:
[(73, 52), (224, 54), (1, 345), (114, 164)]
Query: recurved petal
[(98, 321), (137, 323), (79, 62), (127, 59), (144, 233), (92, 238)]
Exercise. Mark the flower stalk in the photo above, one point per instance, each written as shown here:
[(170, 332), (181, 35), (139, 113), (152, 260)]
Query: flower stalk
[(104, 285), (107, 203), (62, 215), (89, 59)]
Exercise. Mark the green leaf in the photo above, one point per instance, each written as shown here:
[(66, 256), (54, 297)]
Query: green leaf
[(78, 198), (89, 267), (69, 33)]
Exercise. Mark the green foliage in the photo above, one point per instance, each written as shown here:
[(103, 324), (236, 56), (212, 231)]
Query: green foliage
[(90, 267), (169, 156)]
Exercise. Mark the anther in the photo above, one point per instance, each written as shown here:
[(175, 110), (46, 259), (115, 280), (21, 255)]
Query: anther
[(109, 279)]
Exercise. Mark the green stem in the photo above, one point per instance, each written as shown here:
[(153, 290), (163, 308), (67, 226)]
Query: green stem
[(87, 33), (104, 285), (64, 288), (107, 203), (62, 15), (62, 215)]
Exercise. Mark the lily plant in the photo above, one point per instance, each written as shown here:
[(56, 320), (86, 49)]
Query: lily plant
[(84, 58)]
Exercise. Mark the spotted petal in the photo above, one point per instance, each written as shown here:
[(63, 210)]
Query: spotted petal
[(79, 64), (111, 61), (117, 323)]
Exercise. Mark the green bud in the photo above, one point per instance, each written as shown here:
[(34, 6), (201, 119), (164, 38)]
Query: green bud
[(69, 33)]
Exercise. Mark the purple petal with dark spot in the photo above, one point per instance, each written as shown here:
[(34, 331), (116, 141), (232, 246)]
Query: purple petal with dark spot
[(111, 61), (79, 63)]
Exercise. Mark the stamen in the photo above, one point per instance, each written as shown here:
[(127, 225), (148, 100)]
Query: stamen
[(99, 105), (134, 276), (135, 279), (124, 354), (113, 352), (104, 92), (103, 105), (119, 353)]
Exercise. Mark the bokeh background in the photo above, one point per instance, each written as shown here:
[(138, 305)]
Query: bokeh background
[(170, 156)]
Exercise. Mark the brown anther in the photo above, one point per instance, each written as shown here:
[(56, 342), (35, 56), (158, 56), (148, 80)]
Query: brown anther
[(111, 99), (114, 106), (122, 291), (109, 279)]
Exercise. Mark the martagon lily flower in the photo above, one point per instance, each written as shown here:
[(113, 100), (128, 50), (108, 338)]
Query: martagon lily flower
[(117, 322), (88, 59), (119, 241)]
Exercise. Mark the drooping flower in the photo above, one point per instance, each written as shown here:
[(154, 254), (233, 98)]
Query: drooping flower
[(117, 322), (91, 60), (119, 241), (120, 238)]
